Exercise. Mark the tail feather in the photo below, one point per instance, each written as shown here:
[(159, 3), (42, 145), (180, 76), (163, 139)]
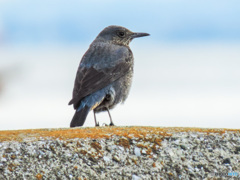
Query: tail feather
[(87, 104), (80, 117)]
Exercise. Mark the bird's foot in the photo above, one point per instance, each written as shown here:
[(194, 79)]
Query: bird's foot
[(97, 125), (111, 124)]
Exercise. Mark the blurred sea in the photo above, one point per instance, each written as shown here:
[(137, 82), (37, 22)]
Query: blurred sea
[(174, 85)]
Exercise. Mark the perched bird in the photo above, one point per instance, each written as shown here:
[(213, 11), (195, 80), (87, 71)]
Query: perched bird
[(104, 74)]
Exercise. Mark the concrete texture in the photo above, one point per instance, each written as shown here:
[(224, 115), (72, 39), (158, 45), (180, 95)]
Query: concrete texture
[(120, 153)]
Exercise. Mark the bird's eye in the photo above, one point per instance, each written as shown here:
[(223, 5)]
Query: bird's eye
[(121, 34)]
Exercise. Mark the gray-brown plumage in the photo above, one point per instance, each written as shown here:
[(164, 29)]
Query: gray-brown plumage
[(104, 74)]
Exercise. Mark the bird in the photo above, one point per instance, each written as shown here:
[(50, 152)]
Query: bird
[(104, 75)]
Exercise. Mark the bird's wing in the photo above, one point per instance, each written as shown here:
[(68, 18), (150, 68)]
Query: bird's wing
[(91, 78)]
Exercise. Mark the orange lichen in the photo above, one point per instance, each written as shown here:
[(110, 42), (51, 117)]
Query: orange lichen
[(79, 145), (96, 146), (39, 176), (157, 141), (124, 142), (102, 132), (150, 156), (142, 146), (13, 156), (83, 152), (154, 164), (134, 161), (93, 157), (11, 167), (149, 151)]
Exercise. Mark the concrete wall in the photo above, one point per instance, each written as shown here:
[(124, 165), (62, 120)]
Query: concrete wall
[(120, 153)]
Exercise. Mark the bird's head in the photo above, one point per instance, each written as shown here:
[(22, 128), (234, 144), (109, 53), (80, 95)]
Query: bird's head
[(118, 35)]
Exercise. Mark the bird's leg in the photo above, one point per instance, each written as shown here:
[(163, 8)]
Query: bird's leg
[(111, 122), (96, 123)]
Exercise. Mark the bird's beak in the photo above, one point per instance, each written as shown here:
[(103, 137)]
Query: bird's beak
[(136, 35)]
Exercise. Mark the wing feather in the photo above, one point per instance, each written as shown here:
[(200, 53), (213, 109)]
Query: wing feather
[(89, 79)]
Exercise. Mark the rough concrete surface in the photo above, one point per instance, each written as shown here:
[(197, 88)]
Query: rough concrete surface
[(120, 153)]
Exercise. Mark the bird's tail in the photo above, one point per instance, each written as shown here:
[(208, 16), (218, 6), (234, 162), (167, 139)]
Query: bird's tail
[(87, 104), (80, 116)]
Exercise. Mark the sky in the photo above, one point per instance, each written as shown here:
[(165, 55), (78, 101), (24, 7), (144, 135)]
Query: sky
[(186, 73), (78, 21)]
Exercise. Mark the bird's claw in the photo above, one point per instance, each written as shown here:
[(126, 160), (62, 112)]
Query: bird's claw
[(111, 124)]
